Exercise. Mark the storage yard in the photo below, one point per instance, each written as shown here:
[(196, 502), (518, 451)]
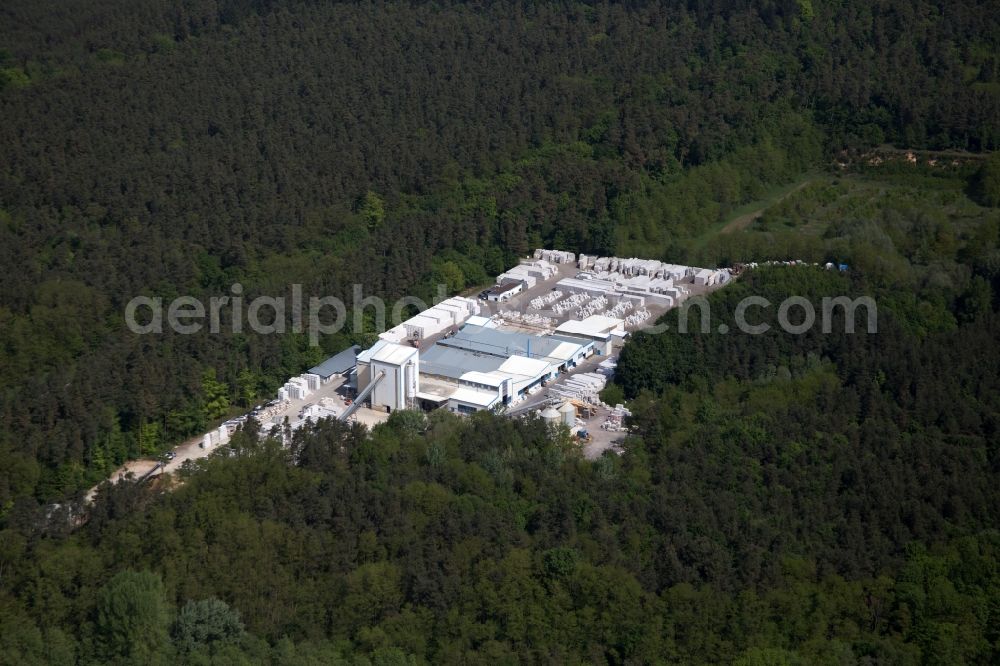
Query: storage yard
[(542, 340)]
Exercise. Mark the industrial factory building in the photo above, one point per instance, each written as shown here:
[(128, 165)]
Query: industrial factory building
[(489, 367), (453, 356), (339, 364)]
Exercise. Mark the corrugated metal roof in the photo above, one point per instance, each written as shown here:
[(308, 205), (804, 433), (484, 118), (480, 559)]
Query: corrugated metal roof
[(508, 343), (473, 397), (487, 378), (393, 354), (432, 397), (338, 363), (596, 325), (366, 355), (454, 363), (476, 320), (526, 367), (504, 288), (565, 351)]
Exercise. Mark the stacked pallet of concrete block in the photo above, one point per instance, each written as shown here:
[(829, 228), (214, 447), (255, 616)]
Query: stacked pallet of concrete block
[(540, 302), (660, 285), (585, 386), (673, 272), (529, 272), (297, 388), (638, 317), (568, 304), (426, 324), (635, 267), (470, 305), (555, 256), (542, 269), (456, 315), (594, 286), (458, 309), (678, 293), (515, 275), (704, 276), (585, 263), (616, 419), (632, 282)]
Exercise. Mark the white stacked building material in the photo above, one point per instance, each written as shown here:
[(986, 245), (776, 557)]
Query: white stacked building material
[(529, 272), (585, 386), (637, 318), (593, 286), (312, 381), (509, 315), (608, 267), (673, 271), (638, 266), (540, 302), (620, 309), (643, 281), (679, 294), (537, 320), (555, 256), (456, 315), (568, 304), (395, 334), (420, 327), (296, 388), (616, 420), (517, 274), (703, 276), (470, 305), (324, 410), (453, 311), (592, 307)]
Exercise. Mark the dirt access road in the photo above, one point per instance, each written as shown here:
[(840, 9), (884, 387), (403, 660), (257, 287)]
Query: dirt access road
[(745, 220), (189, 450)]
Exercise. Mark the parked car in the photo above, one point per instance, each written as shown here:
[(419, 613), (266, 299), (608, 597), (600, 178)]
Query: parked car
[(169, 455)]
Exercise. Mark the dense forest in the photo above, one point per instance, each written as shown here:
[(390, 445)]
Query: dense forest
[(164, 149), (780, 499)]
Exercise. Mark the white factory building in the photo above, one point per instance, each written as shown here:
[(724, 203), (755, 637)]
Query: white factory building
[(504, 292), (467, 362), (603, 331), (482, 367), (394, 370)]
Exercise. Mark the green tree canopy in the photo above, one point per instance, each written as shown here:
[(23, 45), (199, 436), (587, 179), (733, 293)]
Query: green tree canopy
[(132, 619)]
